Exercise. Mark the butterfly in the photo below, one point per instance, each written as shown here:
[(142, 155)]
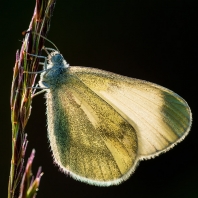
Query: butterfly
[(101, 124)]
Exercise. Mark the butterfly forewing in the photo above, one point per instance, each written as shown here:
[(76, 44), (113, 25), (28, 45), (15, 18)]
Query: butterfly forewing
[(88, 137)]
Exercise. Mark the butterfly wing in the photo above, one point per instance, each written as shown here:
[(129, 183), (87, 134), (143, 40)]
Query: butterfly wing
[(100, 124), (89, 139), (160, 117)]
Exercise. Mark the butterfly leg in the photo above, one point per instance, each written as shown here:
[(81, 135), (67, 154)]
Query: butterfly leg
[(39, 92), (41, 63), (37, 72), (43, 89)]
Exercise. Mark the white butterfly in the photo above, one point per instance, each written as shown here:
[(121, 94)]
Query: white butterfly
[(101, 124)]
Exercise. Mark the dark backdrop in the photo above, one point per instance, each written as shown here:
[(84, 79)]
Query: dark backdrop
[(151, 40)]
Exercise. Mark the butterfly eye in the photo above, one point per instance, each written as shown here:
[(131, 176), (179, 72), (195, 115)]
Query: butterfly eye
[(55, 58)]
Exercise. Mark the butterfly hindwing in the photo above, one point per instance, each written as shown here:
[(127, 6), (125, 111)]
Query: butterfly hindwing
[(160, 117)]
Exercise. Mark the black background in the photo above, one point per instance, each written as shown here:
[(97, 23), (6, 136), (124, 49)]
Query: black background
[(146, 39)]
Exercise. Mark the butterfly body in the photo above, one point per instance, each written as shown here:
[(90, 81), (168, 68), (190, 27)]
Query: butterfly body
[(101, 124)]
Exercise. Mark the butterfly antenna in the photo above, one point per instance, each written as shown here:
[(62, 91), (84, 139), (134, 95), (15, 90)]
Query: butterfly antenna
[(45, 39)]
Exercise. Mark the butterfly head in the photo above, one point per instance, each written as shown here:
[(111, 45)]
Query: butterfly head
[(55, 58)]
